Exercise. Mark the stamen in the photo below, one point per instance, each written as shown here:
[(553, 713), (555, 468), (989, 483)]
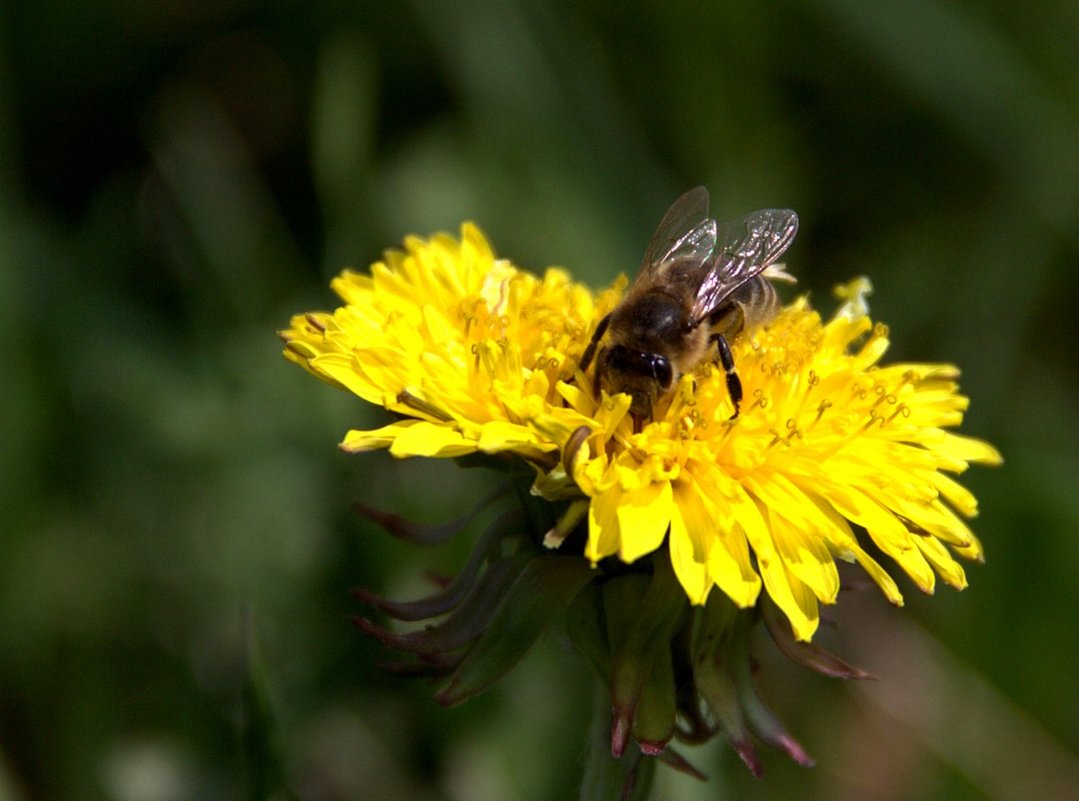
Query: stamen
[(873, 418), (822, 407), (468, 312), (793, 432), (689, 393), (902, 409)]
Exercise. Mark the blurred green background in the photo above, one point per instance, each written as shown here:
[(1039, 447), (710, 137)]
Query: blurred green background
[(177, 178)]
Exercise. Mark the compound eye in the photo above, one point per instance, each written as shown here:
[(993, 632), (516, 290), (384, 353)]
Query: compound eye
[(661, 369)]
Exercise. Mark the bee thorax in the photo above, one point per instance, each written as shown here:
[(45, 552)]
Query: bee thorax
[(652, 322)]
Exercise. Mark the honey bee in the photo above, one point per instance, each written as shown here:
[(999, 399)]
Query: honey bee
[(699, 285)]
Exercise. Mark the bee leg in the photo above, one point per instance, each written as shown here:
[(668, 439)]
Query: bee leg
[(597, 335), (734, 383)]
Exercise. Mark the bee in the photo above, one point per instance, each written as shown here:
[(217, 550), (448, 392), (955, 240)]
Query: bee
[(700, 284)]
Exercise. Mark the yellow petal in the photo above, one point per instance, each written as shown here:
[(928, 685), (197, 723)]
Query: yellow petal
[(339, 368), (729, 563), (938, 556), (410, 438), (971, 450), (688, 554), (956, 494), (603, 529), (377, 439), (879, 575), (498, 436), (794, 521), (643, 517), (915, 566), (790, 594), (803, 612), (805, 557)]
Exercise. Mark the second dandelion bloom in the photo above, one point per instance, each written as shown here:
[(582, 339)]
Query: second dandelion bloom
[(830, 447)]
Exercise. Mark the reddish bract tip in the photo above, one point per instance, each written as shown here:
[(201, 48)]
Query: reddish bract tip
[(620, 730), (748, 754)]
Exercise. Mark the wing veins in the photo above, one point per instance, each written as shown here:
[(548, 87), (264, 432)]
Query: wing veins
[(744, 248)]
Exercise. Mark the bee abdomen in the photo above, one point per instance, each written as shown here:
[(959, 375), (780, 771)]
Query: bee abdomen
[(756, 299)]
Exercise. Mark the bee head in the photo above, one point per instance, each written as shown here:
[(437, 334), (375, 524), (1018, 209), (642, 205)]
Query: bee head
[(641, 375)]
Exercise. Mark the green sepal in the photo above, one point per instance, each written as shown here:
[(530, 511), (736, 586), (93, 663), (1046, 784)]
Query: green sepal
[(807, 654), (452, 595), (653, 725), (647, 636), (540, 593), (713, 630), (467, 622), (587, 630), (761, 719)]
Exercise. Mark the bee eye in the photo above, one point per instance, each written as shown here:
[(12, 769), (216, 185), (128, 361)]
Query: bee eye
[(661, 369)]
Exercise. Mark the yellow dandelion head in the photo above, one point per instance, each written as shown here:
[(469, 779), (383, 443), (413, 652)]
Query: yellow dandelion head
[(477, 355)]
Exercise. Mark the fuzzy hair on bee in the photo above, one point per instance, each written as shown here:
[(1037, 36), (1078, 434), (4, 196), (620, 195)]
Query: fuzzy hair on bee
[(700, 284)]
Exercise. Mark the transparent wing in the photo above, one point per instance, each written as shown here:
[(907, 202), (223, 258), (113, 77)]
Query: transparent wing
[(743, 249), (686, 235)]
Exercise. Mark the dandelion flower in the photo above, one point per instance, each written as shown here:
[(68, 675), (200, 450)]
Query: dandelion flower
[(657, 535), (476, 355)]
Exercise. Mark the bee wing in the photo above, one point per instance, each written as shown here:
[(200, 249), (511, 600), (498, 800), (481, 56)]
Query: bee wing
[(686, 235), (744, 248)]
